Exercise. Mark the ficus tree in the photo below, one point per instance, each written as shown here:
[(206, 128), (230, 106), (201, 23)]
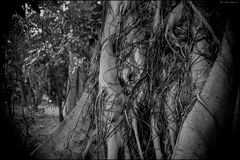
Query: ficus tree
[(164, 73), (158, 76)]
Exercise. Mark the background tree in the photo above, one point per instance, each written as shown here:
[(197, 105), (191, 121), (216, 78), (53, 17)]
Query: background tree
[(54, 37)]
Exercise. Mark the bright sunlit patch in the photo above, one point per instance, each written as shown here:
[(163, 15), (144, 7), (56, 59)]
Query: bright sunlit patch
[(67, 2), (41, 13), (64, 6)]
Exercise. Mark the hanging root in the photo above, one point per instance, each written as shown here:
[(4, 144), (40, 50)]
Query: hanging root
[(134, 125), (173, 18), (171, 118), (208, 26), (114, 143), (157, 18), (113, 120), (176, 15), (89, 144), (126, 152), (94, 135), (156, 139)]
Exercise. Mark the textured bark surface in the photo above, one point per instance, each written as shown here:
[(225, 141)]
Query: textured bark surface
[(236, 119), (75, 84), (109, 82), (62, 138), (170, 111), (203, 125), (113, 125)]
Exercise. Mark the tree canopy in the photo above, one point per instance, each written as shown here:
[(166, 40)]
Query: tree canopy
[(39, 42)]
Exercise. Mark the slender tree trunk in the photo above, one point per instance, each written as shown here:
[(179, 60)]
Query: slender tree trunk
[(49, 85), (24, 100), (31, 93), (60, 109), (38, 98)]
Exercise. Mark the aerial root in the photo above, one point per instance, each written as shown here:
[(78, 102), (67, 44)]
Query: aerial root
[(176, 15), (172, 134), (170, 108), (89, 144), (205, 22), (173, 18), (126, 152), (155, 139), (114, 143), (134, 125)]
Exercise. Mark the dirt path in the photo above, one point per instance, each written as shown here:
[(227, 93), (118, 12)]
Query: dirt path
[(43, 127), (34, 128)]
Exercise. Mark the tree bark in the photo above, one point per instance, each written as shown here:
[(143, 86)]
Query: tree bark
[(208, 117), (170, 111), (61, 143), (236, 119), (24, 100), (75, 84), (38, 97), (155, 131), (60, 109), (108, 81)]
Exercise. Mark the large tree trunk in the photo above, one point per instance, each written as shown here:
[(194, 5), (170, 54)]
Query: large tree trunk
[(209, 116), (200, 131), (108, 81), (62, 142), (69, 140)]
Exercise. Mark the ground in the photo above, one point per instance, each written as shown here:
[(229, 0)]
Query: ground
[(33, 127)]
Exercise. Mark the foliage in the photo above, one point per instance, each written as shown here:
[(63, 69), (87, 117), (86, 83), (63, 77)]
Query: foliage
[(39, 43)]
